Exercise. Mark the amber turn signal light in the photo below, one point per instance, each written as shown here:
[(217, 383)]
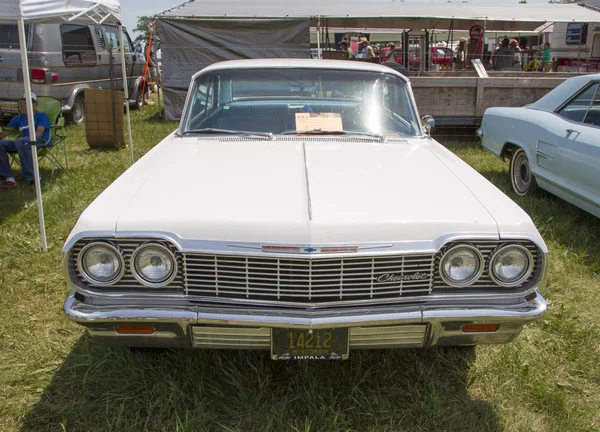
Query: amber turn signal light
[(134, 329), (480, 328)]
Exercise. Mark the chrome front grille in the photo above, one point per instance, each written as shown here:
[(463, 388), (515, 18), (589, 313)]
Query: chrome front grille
[(304, 281), (310, 280)]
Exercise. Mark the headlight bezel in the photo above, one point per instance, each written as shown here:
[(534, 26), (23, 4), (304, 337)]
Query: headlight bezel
[(522, 279), (475, 276), (90, 279), (139, 276)]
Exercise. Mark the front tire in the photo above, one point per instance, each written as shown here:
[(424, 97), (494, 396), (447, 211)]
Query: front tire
[(521, 178)]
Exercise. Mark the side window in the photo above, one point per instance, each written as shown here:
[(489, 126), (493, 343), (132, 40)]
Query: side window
[(201, 104), (9, 36), (577, 109), (593, 115), (100, 40), (112, 38), (78, 45), (127, 42), (395, 100)]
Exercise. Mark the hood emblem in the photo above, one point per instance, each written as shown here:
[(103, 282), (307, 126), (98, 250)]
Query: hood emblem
[(309, 249)]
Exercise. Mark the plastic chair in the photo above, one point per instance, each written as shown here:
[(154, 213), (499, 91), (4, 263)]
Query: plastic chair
[(58, 140)]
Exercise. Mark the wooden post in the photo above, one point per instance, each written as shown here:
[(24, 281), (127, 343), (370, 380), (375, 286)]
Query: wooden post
[(479, 97)]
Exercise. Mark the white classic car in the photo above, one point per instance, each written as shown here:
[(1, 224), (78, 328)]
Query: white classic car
[(553, 144), (302, 208)]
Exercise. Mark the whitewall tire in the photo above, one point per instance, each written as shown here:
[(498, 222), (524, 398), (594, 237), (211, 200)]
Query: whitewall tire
[(521, 178)]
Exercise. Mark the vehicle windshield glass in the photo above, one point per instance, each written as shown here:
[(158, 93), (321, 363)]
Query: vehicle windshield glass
[(295, 100)]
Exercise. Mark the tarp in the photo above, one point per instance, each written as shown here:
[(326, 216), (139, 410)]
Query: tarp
[(190, 45), (92, 11), (378, 14)]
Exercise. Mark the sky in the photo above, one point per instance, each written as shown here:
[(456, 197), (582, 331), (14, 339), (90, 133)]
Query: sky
[(130, 9)]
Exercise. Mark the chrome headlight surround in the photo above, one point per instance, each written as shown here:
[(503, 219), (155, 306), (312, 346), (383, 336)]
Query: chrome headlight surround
[(472, 279), (520, 280), (84, 273), (140, 277)]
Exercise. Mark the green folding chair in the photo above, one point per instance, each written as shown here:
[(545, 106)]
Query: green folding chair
[(58, 150)]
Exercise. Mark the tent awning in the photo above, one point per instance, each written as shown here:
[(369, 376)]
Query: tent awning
[(378, 14), (83, 11)]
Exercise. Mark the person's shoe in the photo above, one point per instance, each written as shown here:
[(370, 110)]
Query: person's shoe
[(8, 185)]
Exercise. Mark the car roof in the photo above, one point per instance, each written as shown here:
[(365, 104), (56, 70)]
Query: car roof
[(554, 99), (345, 65)]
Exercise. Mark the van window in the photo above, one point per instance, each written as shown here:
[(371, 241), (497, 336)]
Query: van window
[(9, 36), (128, 44), (100, 40), (78, 45), (112, 37)]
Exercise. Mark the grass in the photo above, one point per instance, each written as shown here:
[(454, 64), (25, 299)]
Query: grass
[(53, 377)]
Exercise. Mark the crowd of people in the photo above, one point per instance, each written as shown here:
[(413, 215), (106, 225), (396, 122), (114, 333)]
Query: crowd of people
[(507, 56), (365, 50)]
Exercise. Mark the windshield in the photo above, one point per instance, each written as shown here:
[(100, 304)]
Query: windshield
[(280, 101)]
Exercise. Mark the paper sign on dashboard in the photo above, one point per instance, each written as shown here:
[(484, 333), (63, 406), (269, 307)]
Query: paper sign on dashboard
[(318, 121)]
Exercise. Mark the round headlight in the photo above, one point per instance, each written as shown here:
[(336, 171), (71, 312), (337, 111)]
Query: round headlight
[(461, 265), (101, 263), (511, 265), (153, 265)]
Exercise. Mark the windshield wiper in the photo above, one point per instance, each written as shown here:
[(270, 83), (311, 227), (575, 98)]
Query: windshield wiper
[(381, 138), (268, 135)]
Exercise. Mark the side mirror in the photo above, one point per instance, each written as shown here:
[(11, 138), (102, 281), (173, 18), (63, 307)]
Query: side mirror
[(428, 124)]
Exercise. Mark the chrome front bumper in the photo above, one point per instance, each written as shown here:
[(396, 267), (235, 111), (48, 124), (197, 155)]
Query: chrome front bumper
[(216, 326)]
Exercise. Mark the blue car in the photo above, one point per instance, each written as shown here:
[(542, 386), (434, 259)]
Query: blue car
[(553, 144)]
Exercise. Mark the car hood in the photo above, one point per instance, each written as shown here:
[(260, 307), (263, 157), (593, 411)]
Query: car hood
[(298, 191)]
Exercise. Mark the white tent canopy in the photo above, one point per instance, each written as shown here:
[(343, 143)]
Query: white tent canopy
[(380, 14), (70, 11), (91, 11)]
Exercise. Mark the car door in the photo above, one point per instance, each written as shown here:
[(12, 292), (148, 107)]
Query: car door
[(579, 148)]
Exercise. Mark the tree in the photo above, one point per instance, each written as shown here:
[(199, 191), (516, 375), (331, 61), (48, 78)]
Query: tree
[(143, 30), (523, 2)]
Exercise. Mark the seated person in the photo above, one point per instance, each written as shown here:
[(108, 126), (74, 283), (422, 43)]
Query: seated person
[(21, 144)]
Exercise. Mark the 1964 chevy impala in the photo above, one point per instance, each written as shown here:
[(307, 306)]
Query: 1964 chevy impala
[(301, 207)]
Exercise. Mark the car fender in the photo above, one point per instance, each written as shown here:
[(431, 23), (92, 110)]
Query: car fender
[(68, 105), (499, 128), (134, 89)]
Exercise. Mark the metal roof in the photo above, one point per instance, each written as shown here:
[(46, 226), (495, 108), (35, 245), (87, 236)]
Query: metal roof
[(379, 14)]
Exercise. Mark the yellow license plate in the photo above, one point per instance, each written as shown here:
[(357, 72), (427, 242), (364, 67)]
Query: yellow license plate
[(309, 344)]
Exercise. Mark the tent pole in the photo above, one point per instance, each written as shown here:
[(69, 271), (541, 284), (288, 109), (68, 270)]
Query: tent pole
[(32, 131), (483, 42), (126, 93), (319, 37)]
